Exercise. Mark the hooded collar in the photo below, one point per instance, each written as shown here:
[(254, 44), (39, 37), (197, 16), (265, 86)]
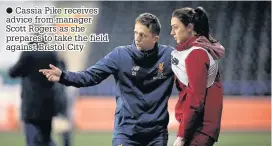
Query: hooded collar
[(187, 44), (215, 49), (139, 55)]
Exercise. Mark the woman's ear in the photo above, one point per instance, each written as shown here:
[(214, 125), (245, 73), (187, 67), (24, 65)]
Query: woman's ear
[(190, 27)]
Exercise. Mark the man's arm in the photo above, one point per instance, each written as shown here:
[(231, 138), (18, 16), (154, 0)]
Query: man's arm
[(197, 64), (20, 68), (94, 74)]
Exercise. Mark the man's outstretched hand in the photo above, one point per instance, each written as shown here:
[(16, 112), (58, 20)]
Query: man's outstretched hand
[(52, 74)]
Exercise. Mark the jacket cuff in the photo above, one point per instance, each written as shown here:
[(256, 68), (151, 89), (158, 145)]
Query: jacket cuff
[(62, 76)]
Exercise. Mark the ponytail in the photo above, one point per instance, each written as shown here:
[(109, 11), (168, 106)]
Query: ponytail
[(201, 24)]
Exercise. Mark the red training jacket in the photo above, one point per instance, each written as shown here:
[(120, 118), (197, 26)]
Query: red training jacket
[(199, 108)]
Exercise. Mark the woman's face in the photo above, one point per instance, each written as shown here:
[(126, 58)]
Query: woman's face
[(179, 31)]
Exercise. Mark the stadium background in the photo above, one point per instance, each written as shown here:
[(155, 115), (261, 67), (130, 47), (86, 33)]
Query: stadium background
[(244, 29)]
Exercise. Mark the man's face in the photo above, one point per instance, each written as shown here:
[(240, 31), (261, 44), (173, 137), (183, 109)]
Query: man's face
[(144, 39), (179, 31)]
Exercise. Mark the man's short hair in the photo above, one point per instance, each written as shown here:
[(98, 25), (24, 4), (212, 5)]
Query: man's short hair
[(150, 21)]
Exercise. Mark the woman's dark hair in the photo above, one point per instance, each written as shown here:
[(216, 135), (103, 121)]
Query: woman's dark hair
[(198, 17)]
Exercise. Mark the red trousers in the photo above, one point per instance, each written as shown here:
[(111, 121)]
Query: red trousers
[(200, 139)]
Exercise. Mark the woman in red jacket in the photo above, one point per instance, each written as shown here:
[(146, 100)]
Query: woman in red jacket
[(195, 64)]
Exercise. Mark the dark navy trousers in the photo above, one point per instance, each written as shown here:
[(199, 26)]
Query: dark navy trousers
[(38, 133)]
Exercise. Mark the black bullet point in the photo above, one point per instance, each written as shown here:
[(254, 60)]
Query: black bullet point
[(9, 10)]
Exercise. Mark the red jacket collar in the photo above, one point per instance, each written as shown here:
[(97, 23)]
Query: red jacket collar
[(187, 44)]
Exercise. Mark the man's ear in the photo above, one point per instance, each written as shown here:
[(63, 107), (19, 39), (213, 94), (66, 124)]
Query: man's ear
[(156, 39)]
